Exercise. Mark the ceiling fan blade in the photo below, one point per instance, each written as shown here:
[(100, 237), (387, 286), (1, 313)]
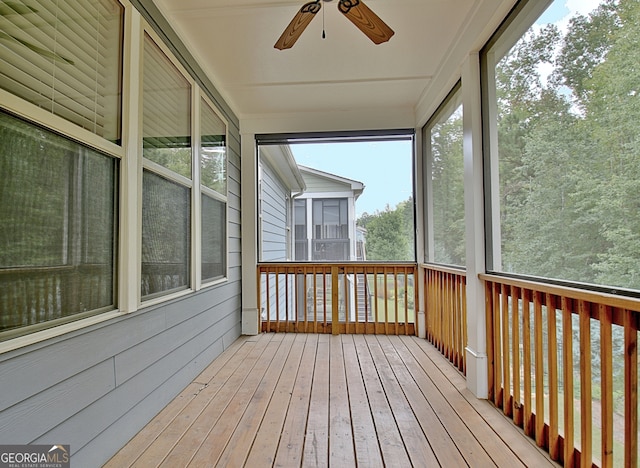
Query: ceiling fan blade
[(298, 25), (366, 20)]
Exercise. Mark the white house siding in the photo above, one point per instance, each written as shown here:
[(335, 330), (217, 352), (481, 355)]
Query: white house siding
[(95, 388), (317, 184)]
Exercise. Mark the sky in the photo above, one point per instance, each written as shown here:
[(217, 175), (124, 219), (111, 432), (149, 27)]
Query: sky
[(385, 168)]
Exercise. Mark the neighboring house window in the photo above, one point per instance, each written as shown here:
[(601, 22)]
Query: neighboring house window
[(300, 220), (330, 230), (213, 177), (166, 183), (67, 59)]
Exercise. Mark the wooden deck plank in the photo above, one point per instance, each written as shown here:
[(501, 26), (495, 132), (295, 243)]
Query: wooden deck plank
[(391, 444), (415, 440), (321, 400), (316, 443), (365, 438), (341, 449), (291, 445)]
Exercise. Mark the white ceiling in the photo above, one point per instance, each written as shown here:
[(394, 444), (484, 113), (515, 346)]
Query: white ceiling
[(342, 75)]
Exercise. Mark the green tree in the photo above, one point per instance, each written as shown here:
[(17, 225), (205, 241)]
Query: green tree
[(389, 234)]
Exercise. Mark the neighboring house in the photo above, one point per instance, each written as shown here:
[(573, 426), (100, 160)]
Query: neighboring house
[(325, 217)]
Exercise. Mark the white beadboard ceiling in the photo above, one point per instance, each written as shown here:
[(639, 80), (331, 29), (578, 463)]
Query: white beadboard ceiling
[(342, 75)]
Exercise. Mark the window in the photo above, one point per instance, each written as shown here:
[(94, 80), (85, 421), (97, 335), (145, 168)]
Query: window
[(330, 230), (300, 220), (562, 122), (213, 176), (166, 184), (66, 57), (57, 236), (445, 173)]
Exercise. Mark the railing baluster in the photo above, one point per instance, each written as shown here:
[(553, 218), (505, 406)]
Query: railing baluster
[(515, 345), (375, 303), (606, 375), (630, 389), (406, 302), (386, 302), (567, 380), (585, 384), (335, 315), (507, 404), (554, 441), (497, 346), (491, 356), (539, 372), (527, 422), (315, 297)]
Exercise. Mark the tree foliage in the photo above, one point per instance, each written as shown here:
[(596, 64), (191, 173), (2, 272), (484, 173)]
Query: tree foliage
[(390, 233)]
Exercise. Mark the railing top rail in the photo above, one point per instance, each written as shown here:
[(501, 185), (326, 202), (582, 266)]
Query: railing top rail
[(611, 300), (349, 267), (454, 270), (348, 263)]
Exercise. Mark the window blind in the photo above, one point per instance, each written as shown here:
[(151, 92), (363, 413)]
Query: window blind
[(65, 56)]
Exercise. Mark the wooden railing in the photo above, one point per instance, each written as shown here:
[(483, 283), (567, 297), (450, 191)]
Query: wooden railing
[(337, 298), (563, 363), (445, 304)]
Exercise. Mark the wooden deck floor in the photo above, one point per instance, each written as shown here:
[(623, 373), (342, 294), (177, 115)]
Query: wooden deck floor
[(321, 400)]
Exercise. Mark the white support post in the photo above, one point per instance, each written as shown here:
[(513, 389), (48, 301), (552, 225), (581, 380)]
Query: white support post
[(249, 207), (477, 375), (131, 168), (419, 199)]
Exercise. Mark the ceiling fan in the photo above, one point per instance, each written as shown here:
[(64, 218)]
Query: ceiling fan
[(355, 10)]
